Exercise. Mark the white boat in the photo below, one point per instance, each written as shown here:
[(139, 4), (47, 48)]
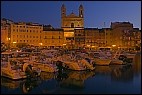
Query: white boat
[(73, 63), (87, 65), (10, 71), (45, 67), (14, 69), (116, 62), (130, 55), (102, 61), (43, 63)]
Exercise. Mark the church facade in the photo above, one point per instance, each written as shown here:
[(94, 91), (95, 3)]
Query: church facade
[(71, 22)]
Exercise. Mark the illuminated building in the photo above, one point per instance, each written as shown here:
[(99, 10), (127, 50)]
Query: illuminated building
[(108, 37), (52, 37), (71, 22), (5, 31), (26, 34), (79, 37), (92, 37), (124, 35)]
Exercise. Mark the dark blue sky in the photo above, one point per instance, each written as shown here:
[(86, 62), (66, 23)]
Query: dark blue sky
[(95, 12)]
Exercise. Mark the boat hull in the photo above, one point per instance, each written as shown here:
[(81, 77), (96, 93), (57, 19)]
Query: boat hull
[(102, 61)]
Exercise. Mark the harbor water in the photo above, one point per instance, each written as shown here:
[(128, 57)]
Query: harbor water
[(112, 79)]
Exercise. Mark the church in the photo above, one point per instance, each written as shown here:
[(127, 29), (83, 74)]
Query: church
[(71, 22)]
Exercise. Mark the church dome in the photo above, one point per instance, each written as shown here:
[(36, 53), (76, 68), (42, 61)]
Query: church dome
[(72, 15)]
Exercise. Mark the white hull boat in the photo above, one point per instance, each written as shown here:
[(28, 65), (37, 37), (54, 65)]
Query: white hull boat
[(99, 61)]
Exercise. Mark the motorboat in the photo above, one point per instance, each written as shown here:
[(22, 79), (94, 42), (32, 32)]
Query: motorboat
[(14, 68)]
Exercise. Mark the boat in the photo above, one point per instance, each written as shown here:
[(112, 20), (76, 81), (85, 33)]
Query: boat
[(116, 62), (9, 68), (16, 69), (45, 67), (43, 63), (12, 71), (102, 61), (74, 63)]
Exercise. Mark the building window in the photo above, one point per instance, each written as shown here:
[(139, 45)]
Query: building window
[(17, 36), (72, 25), (27, 30), (27, 36)]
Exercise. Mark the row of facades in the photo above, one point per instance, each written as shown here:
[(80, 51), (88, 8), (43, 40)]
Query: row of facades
[(72, 33), (122, 35)]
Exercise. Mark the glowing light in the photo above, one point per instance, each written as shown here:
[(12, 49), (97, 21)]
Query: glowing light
[(40, 43), (113, 45), (14, 42), (64, 44), (88, 45), (8, 38)]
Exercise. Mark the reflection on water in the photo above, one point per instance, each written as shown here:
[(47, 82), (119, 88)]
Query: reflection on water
[(137, 64), (6, 82), (75, 79), (105, 79)]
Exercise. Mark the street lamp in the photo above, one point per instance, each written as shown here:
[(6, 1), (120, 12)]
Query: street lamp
[(113, 46), (14, 44), (8, 43), (88, 46), (64, 45), (40, 44)]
